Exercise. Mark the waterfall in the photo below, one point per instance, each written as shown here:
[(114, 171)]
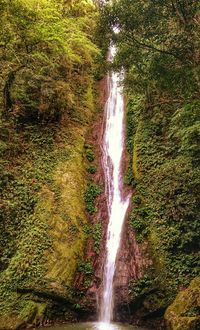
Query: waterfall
[(113, 145)]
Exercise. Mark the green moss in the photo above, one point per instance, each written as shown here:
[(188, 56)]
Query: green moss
[(166, 204), (183, 313), (10, 322), (45, 217), (162, 139), (89, 97), (42, 177), (68, 218)]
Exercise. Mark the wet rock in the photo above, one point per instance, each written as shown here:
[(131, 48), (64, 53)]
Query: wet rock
[(130, 264), (184, 312)]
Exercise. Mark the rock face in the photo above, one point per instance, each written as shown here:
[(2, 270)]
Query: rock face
[(92, 295), (36, 286), (129, 261), (129, 267), (183, 313)]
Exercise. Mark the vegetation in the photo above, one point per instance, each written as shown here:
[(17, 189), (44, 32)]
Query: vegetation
[(159, 50), (45, 46), (91, 169), (48, 63), (89, 152), (92, 191), (184, 312)]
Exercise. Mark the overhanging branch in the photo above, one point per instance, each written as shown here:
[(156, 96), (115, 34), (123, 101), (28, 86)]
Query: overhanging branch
[(145, 45)]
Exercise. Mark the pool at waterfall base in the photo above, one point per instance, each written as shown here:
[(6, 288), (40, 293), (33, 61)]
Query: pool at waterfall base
[(95, 326)]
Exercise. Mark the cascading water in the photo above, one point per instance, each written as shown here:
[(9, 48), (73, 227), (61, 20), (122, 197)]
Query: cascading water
[(113, 145)]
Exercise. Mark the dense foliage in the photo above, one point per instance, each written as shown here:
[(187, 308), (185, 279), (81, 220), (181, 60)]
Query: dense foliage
[(48, 64), (158, 46), (45, 47), (47, 69)]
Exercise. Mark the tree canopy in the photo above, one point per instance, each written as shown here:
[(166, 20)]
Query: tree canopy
[(44, 45)]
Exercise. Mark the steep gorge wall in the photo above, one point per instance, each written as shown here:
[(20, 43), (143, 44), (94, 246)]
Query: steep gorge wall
[(48, 63), (132, 258), (165, 211), (46, 241)]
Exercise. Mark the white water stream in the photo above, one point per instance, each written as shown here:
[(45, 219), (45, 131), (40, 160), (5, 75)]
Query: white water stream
[(113, 145)]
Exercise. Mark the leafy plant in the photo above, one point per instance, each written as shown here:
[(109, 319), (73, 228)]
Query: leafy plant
[(91, 169), (89, 152), (92, 191), (85, 267)]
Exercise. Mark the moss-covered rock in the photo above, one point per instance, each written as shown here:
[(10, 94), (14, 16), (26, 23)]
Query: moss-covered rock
[(47, 237), (183, 313), (166, 203), (10, 322), (68, 217)]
